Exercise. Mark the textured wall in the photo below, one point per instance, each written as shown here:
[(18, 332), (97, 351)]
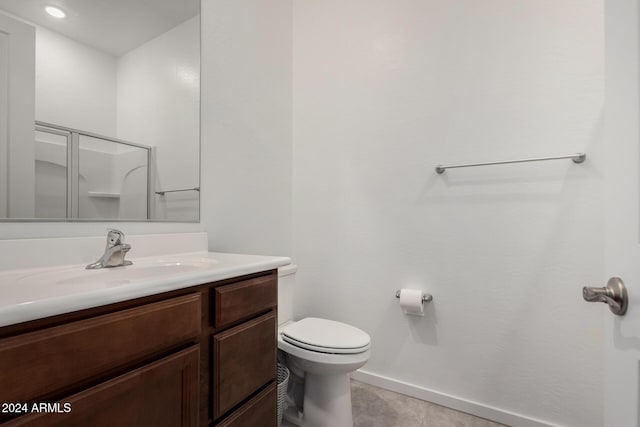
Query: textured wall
[(383, 91), (246, 125)]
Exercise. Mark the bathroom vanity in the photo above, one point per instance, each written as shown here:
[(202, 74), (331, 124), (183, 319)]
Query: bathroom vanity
[(191, 354)]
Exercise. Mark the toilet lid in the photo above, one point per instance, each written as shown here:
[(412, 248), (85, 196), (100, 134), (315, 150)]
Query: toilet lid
[(326, 336)]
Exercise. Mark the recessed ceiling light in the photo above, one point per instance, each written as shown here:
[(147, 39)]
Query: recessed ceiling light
[(55, 12)]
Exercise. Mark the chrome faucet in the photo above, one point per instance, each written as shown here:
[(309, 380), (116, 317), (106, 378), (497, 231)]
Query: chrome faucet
[(114, 253)]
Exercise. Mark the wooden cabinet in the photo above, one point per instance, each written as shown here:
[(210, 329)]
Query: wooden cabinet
[(55, 358), (259, 411), (200, 356), (242, 300), (160, 394), (244, 359), (244, 345)]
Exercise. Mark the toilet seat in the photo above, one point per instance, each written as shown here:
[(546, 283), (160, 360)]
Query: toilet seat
[(326, 336)]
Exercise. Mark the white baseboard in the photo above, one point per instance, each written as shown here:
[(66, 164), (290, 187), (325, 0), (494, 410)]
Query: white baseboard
[(467, 406)]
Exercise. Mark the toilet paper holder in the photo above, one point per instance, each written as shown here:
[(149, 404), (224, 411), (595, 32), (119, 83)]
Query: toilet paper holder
[(425, 297)]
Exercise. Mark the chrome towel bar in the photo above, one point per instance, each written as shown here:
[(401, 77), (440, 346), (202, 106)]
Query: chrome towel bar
[(577, 158), (161, 193)]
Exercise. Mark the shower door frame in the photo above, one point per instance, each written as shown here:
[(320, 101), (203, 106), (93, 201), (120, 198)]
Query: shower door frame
[(73, 165)]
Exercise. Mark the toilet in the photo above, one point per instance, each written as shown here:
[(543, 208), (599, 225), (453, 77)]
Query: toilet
[(322, 351)]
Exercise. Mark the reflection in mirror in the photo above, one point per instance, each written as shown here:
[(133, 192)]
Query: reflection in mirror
[(51, 173), (112, 179), (102, 120)]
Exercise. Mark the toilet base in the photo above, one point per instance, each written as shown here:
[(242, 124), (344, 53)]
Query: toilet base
[(327, 400)]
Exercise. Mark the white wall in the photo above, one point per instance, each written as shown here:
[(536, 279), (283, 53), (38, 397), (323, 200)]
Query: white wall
[(75, 84), (246, 125), (383, 91), (158, 105), (17, 45)]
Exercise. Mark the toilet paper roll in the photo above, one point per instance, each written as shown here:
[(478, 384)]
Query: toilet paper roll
[(411, 302)]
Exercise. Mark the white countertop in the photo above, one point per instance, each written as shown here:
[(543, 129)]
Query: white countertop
[(34, 293)]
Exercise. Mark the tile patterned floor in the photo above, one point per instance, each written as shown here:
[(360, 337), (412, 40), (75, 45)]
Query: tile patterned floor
[(377, 407)]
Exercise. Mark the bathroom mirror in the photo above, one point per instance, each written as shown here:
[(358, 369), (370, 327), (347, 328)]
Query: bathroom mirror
[(100, 110)]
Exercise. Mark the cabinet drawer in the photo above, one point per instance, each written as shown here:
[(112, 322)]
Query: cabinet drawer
[(244, 359), (260, 411), (43, 362), (161, 394), (239, 301)]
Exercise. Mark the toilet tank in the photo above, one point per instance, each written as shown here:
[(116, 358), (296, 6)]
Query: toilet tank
[(286, 286)]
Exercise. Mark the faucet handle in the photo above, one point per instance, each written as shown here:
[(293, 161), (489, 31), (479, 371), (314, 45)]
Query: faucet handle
[(114, 237), (614, 295)]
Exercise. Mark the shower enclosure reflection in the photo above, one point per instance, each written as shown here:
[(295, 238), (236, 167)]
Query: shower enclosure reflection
[(82, 175)]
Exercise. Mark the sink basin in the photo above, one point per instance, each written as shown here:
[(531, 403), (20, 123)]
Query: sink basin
[(140, 270)]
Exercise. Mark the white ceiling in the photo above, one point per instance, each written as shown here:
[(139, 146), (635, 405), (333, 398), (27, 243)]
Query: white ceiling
[(113, 26)]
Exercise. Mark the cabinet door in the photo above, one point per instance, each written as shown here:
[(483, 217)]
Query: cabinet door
[(243, 300), (56, 359), (161, 394), (244, 359), (260, 411)]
